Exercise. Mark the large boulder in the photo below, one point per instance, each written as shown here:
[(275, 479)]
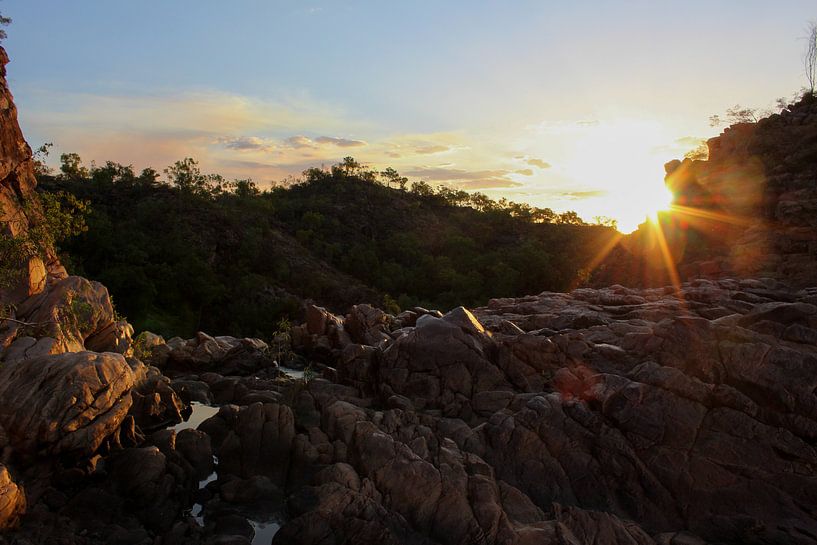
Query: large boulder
[(253, 441), (67, 404), (71, 311), (224, 355), (441, 363)]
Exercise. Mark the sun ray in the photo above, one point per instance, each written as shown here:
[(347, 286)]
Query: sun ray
[(600, 256), (710, 215), (669, 262)]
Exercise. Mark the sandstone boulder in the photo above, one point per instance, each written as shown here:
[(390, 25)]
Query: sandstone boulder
[(64, 404)]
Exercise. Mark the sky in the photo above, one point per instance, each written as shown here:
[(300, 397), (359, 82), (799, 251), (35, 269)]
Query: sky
[(571, 105)]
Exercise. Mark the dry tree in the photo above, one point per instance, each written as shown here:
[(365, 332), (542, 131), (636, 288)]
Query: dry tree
[(810, 57)]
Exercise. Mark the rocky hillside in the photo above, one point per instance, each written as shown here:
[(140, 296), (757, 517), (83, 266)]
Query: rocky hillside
[(609, 416), (749, 210)]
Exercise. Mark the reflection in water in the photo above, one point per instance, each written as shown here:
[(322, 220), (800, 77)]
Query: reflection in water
[(264, 531), (197, 509), (293, 373), (265, 526), (201, 412)]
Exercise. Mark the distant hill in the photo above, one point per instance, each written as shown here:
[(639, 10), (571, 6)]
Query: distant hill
[(204, 254)]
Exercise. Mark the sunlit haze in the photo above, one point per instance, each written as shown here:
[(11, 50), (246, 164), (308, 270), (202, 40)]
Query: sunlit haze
[(572, 106)]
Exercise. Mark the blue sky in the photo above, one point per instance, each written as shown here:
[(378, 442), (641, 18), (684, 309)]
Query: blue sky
[(573, 105)]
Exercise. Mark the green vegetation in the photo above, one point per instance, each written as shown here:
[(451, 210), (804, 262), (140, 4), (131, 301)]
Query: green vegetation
[(4, 21), (200, 252), (61, 216)]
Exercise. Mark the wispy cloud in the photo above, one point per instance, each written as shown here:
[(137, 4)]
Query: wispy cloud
[(578, 195), (533, 161), (467, 179), (205, 112), (298, 141), (246, 143), (340, 142), (538, 163), (431, 149)]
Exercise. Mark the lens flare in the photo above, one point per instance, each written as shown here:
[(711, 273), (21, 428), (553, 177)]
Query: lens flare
[(661, 202)]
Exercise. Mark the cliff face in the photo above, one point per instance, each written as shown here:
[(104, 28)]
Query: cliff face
[(18, 206), (747, 211), (62, 399), (68, 313)]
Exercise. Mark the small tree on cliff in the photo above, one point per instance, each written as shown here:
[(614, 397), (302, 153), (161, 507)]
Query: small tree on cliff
[(4, 21), (810, 57)]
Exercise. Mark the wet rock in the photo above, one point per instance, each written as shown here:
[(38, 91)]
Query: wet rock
[(156, 489), (250, 491), (192, 390), (195, 447), (257, 442), (155, 403)]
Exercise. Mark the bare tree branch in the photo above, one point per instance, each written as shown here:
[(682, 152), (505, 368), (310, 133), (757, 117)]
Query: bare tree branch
[(810, 57), (27, 324)]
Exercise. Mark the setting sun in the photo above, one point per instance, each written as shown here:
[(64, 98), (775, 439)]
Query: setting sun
[(620, 166), (661, 201)]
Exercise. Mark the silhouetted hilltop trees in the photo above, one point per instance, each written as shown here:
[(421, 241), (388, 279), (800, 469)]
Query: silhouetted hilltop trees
[(199, 252)]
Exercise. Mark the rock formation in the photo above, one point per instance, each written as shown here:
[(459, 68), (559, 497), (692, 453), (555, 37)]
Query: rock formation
[(670, 415), (633, 416), (747, 211)]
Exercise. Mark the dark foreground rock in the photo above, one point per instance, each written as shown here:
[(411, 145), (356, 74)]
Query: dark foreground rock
[(652, 416), (603, 416)]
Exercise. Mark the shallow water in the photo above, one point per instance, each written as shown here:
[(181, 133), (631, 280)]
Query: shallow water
[(294, 373), (197, 509), (265, 526), (264, 531), (201, 412)]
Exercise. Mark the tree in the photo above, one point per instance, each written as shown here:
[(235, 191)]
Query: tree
[(245, 188), (422, 189), (350, 166), (4, 21), (570, 218), (605, 221), (738, 114), (187, 177), (40, 155), (71, 166), (810, 57), (61, 216), (391, 176)]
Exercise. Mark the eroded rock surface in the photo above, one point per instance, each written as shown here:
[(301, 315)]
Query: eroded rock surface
[(64, 404), (632, 416)]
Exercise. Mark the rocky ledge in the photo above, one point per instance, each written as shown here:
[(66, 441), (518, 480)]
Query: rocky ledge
[(605, 416)]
